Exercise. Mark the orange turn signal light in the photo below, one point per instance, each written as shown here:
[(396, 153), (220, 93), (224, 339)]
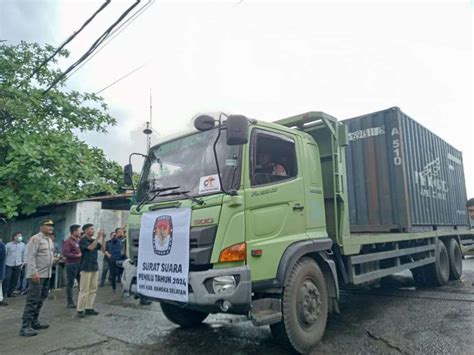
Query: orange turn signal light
[(236, 252)]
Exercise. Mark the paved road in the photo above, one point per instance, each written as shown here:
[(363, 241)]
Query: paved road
[(395, 318)]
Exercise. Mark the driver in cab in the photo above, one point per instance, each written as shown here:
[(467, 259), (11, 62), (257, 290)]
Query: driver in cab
[(269, 167)]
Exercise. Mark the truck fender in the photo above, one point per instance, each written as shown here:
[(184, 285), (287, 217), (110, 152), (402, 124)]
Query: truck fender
[(318, 250)]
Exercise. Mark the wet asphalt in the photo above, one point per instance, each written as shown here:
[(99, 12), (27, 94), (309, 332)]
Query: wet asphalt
[(394, 318)]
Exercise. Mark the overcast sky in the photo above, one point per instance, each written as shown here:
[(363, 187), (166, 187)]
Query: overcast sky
[(267, 61)]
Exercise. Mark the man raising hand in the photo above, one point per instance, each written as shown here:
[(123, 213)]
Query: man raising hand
[(89, 270)]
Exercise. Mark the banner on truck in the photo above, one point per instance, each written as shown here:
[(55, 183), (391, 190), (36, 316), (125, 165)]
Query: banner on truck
[(163, 254)]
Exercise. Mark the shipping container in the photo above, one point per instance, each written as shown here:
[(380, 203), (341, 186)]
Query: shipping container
[(401, 177)]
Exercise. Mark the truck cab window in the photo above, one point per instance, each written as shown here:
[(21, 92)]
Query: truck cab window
[(273, 158)]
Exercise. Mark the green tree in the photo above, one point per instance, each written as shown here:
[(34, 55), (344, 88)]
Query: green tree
[(41, 159)]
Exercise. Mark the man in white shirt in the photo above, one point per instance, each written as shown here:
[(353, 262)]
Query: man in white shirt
[(14, 260)]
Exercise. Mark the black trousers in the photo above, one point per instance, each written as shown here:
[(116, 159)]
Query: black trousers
[(21, 279), (73, 272), (37, 293), (105, 271), (114, 271), (119, 274), (12, 275)]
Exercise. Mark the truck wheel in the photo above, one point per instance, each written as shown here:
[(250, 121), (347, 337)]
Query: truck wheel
[(437, 274), (419, 275), (455, 259), (304, 308), (183, 317)]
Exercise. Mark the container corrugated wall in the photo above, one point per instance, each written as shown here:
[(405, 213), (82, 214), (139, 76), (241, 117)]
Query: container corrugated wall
[(401, 176)]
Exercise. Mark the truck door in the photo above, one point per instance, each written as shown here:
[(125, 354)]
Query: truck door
[(275, 211)]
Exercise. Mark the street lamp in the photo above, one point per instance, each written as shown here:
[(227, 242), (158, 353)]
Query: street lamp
[(148, 131)]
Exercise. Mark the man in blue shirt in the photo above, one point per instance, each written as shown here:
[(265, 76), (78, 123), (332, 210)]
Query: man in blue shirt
[(114, 252), (14, 260)]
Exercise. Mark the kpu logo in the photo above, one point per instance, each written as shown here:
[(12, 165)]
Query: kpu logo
[(163, 235)]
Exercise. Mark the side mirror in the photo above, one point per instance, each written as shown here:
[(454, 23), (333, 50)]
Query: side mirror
[(204, 123), (127, 175), (237, 130)]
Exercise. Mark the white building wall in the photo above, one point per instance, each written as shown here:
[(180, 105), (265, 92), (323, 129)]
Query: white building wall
[(108, 220), (88, 212)]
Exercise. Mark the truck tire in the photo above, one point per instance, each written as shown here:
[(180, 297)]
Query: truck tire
[(186, 318), (419, 275), (304, 308), (455, 259), (437, 274)]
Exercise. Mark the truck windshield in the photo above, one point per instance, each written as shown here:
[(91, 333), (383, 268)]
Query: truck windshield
[(189, 163)]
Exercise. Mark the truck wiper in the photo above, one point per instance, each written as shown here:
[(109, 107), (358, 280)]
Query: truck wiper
[(185, 193), (156, 193), (161, 189)]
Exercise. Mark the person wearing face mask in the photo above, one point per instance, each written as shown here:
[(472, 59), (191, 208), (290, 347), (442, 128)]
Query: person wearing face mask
[(14, 260)]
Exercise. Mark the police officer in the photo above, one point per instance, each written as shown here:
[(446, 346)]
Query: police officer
[(40, 251)]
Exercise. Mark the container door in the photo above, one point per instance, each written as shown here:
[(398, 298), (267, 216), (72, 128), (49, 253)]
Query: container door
[(275, 205)]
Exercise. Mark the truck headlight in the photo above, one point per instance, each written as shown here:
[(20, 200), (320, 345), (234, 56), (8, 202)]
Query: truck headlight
[(223, 284)]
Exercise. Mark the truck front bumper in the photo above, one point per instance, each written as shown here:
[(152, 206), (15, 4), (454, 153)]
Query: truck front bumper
[(202, 296)]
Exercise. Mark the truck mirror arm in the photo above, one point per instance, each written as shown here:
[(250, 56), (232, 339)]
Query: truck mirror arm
[(219, 129), (130, 163)]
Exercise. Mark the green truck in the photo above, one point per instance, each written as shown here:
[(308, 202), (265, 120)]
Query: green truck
[(268, 226)]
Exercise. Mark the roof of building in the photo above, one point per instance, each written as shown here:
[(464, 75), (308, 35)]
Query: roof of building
[(109, 201), (101, 198)]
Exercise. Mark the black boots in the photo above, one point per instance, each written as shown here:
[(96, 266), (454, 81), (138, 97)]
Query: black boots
[(29, 329), (87, 312), (36, 325), (26, 330)]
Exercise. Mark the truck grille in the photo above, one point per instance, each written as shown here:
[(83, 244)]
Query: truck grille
[(201, 241)]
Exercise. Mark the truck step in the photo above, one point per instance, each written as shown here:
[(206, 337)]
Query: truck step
[(265, 311)]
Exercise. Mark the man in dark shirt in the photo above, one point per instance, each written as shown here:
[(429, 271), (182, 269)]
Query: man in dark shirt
[(89, 270), (73, 255), (123, 239), (114, 252)]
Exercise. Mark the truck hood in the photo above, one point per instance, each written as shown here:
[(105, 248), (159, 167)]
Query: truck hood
[(206, 214)]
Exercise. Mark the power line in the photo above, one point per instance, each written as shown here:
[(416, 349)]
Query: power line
[(71, 37), (115, 33), (94, 46), (121, 78)]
